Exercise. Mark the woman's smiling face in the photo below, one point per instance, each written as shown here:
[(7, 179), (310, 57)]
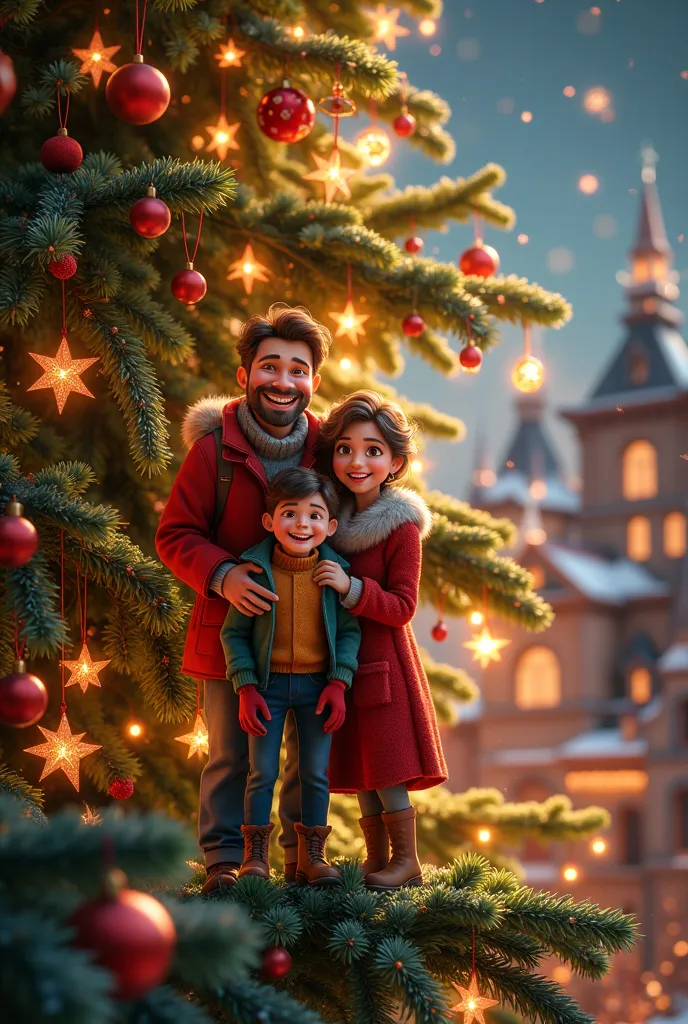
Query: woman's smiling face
[(362, 458)]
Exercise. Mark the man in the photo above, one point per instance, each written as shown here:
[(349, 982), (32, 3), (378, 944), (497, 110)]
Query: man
[(268, 430)]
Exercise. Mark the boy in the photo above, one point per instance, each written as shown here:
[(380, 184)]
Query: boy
[(299, 655)]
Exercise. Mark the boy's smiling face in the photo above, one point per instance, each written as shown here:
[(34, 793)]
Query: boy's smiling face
[(300, 524)]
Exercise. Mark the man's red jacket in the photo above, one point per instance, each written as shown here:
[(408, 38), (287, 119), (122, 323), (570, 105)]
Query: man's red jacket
[(182, 539)]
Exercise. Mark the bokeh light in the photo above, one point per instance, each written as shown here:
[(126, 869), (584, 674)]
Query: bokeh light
[(561, 974), (666, 968), (416, 466), (653, 988), (598, 846), (588, 184), (345, 364), (528, 374), (604, 226), (569, 91), (597, 99), (135, 729), (427, 27), (570, 873), (526, 117), (374, 146), (468, 48), (435, 50), (522, 239), (484, 835), (588, 23), (198, 142), (560, 260), (476, 618), (681, 948)]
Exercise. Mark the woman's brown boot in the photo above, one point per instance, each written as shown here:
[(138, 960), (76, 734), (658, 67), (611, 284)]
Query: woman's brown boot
[(404, 866), (311, 867), (377, 843), (256, 846)]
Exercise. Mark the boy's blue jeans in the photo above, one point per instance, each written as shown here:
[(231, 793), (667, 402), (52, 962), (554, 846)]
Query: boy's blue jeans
[(300, 693)]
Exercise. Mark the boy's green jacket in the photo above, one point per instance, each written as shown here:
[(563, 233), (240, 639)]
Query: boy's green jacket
[(247, 640)]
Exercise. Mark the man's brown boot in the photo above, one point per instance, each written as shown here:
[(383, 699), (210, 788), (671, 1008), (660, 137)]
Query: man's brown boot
[(404, 866), (311, 867), (377, 843), (256, 846), (220, 876)]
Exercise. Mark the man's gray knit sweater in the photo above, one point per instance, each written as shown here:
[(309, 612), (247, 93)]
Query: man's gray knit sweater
[(275, 454)]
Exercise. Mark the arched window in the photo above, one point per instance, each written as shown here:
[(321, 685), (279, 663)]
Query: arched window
[(639, 538), (638, 367), (639, 471), (538, 679), (640, 685), (674, 535)]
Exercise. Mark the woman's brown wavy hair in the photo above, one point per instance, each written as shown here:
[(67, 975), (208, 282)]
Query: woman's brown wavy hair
[(364, 406)]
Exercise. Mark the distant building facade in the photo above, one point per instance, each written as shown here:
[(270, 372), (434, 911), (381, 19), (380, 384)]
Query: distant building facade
[(597, 706)]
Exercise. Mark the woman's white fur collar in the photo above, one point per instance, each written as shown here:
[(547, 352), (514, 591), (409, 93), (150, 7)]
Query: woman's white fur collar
[(395, 507)]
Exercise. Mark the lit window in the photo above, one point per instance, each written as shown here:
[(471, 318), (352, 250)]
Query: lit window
[(641, 270), (639, 539), (675, 535), (538, 574), (638, 367), (538, 679), (611, 780), (659, 268), (639, 471), (640, 685), (682, 819)]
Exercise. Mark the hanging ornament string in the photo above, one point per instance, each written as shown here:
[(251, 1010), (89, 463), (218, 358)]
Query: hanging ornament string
[(192, 259), (527, 351), (140, 26), (64, 310), (83, 605), (198, 698), (63, 702), (62, 120), (404, 92), (473, 951), (478, 228), (223, 92), (19, 645)]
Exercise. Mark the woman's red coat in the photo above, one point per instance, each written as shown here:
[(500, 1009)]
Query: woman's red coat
[(390, 734)]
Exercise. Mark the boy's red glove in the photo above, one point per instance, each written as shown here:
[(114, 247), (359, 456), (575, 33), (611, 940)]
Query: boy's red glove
[(250, 703), (333, 694)]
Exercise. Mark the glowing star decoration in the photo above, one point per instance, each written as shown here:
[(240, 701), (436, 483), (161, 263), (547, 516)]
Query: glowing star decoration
[(332, 174), (84, 671), (230, 55), (248, 269), (350, 323), (387, 30), (485, 647), (472, 1003), (63, 750), (62, 374), (222, 136), (96, 59), (197, 740)]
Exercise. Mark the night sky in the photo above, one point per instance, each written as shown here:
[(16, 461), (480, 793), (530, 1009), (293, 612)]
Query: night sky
[(521, 55)]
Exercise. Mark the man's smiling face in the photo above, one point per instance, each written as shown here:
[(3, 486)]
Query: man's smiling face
[(280, 382)]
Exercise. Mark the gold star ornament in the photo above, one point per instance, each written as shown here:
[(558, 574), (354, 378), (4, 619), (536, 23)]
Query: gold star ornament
[(350, 323), (472, 1003), (230, 55), (485, 647), (386, 29), (63, 750), (332, 174), (84, 671), (222, 136), (248, 269), (197, 739), (62, 374), (96, 59)]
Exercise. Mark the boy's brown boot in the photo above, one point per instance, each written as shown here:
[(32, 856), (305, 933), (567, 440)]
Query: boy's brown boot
[(404, 867), (311, 867), (220, 876), (377, 843), (256, 846)]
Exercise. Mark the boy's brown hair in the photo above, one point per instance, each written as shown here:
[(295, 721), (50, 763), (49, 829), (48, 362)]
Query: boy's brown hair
[(298, 482), (290, 323)]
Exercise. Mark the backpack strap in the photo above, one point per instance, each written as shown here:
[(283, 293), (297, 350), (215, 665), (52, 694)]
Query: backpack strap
[(225, 473)]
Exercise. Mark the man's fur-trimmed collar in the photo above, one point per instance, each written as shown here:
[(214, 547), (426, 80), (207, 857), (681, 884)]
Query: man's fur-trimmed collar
[(395, 507), (202, 417)]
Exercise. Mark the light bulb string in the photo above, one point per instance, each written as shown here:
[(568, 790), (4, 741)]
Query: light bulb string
[(19, 646), (63, 702), (191, 259), (404, 92), (61, 119), (140, 26)]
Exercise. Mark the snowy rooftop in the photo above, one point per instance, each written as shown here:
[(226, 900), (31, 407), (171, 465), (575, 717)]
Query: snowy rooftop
[(601, 579), (512, 485), (596, 743), (675, 659)]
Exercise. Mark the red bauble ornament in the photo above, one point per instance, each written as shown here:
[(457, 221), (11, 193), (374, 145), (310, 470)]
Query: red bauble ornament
[(285, 114), (439, 631), (471, 358), (61, 154), (404, 125), (130, 934), (149, 216), (137, 93), (413, 325), (480, 260), (276, 962), (121, 789), (18, 537), (188, 285), (8, 82), (64, 267), (23, 697), (414, 244)]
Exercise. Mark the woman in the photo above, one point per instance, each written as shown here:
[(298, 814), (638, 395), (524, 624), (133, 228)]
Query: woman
[(389, 742)]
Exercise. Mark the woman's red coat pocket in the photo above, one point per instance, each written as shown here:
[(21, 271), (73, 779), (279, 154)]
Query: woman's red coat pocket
[(372, 687)]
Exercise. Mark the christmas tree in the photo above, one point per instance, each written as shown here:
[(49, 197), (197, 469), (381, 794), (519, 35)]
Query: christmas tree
[(237, 177)]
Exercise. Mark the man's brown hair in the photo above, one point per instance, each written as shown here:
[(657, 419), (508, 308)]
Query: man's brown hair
[(298, 482), (290, 323)]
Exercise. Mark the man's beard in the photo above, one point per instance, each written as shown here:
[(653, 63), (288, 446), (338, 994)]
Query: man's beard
[(266, 411)]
